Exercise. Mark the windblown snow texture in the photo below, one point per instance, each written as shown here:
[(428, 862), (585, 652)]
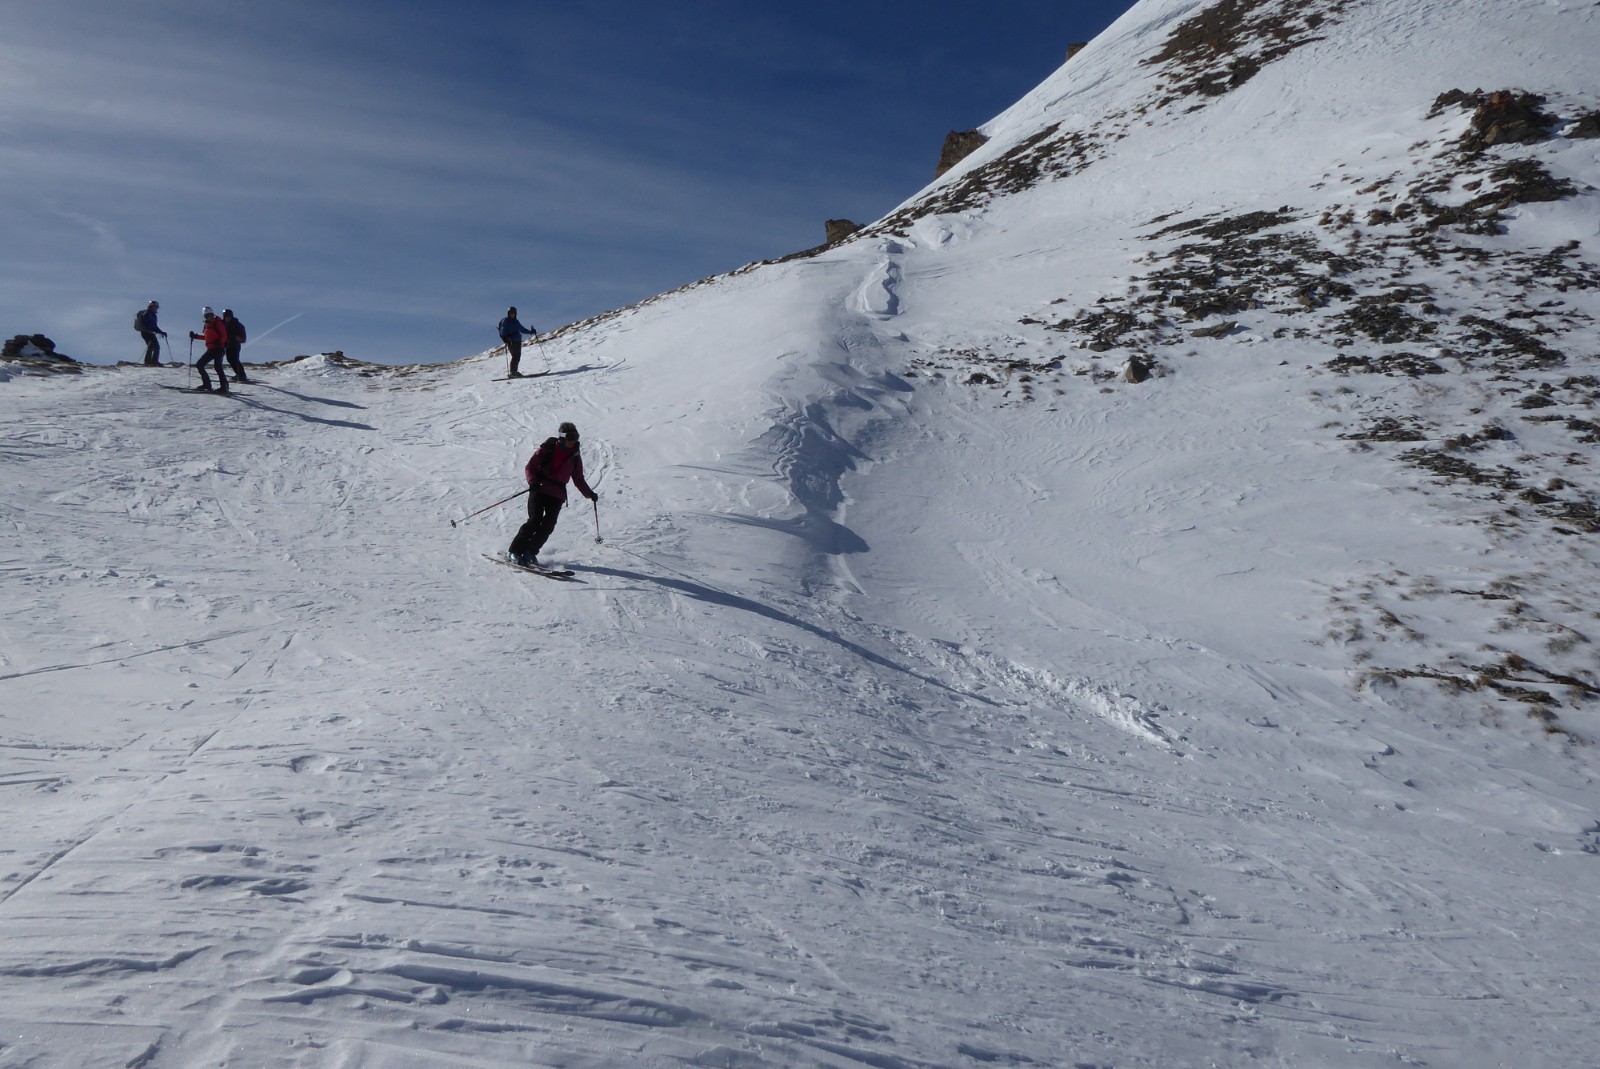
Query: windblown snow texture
[(939, 697)]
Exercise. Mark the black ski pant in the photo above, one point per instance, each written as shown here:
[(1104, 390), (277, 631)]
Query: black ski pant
[(231, 351), (211, 356), (514, 347), (543, 511), (152, 347)]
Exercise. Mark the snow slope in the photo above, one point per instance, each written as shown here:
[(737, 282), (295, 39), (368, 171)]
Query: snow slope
[(936, 697)]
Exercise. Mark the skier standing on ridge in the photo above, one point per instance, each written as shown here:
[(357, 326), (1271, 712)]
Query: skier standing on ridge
[(145, 323), (235, 342), (511, 332), (548, 470), (215, 335)]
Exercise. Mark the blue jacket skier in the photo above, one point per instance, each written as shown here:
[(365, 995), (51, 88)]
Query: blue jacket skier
[(150, 330), (511, 332)]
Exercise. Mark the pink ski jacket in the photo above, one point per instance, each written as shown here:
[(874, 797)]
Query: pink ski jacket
[(551, 465)]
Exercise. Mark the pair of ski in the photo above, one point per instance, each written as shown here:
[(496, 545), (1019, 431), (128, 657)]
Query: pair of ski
[(548, 573), (195, 389), (524, 375)]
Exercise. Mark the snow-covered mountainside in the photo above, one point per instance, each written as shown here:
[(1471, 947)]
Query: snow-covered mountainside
[(927, 693)]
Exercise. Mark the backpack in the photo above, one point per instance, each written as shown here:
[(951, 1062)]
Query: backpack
[(538, 469), (138, 320)]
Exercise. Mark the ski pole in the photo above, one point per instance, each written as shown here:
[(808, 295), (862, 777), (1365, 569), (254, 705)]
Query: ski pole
[(596, 504), (188, 378), (497, 504)]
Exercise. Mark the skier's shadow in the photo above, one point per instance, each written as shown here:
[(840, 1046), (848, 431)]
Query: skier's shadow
[(251, 401), (308, 398), (734, 601), (579, 370)]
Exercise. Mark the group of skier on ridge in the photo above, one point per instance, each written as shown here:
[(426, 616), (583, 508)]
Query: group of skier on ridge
[(554, 464), (223, 335)]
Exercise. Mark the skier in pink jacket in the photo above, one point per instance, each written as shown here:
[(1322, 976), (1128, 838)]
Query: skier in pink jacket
[(552, 465)]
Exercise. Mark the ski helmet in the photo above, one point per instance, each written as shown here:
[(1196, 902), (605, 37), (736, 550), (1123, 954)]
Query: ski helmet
[(207, 313), (568, 431)]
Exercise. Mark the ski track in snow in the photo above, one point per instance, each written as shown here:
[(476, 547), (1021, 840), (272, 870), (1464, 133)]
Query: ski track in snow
[(888, 726)]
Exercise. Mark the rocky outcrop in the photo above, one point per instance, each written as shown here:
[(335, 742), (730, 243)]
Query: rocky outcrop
[(35, 346), (958, 145), (1074, 48), (1508, 118), (1587, 126), (839, 229), (31, 354), (1503, 117)]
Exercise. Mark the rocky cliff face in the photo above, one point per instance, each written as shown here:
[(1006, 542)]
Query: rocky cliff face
[(958, 145)]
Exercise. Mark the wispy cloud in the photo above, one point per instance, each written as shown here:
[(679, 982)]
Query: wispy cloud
[(406, 169)]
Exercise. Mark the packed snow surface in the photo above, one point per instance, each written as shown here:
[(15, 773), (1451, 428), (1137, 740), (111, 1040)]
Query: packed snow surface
[(925, 694)]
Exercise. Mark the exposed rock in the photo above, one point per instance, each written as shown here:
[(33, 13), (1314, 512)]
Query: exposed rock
[(1507, 117), (1225, 44), (1232, 226), (1384, 317), (1050, 153), (1454, 98), (1386, 429), (1409, 364), (1588, 126), (1103, 329), (1135, 370), (1513, 347), (33, 345), (1215, 331), (1074, 48), (839, 229), (36, 353), (958, 145)]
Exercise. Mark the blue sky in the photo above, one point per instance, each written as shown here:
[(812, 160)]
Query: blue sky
[(384, 179)]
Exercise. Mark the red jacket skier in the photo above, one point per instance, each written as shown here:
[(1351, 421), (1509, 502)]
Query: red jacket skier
[(215, 335), (548, 471)]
